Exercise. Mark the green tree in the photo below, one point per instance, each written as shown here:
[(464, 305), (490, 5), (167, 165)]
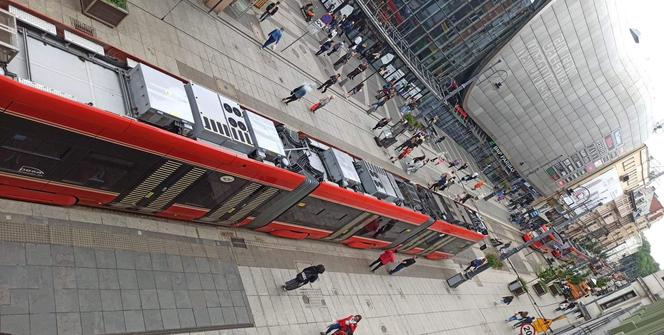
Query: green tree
[(646, 264)]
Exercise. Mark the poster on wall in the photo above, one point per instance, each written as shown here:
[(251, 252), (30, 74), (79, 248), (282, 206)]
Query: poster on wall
[(602, 189)]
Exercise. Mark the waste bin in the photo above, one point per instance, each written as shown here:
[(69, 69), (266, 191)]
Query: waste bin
[(516, 287)]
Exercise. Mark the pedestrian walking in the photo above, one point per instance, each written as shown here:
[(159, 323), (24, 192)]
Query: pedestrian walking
[(322, 102), (329, 82), (355, 90), (404, 264), (297, 93), (440, 139), (463, 197), (475, 263), (347, 26), (419, 158), (356, 42), (273, 38), (525, 321), (374, 106), (335, 47), (470, 177), (517, 316), (442, 181), (347, 325), (478, 185), (505, 300), (382, 123), (359, 69), (360, 49), (454, 163), (344, 59), (308, 275), (462, 167), (324, 47), (402, 155), (308, 11), (413, 166), (270, 10), (387, 257)]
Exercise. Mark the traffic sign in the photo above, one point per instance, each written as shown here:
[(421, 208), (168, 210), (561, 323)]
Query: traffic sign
[(326, 18), (528, 330)]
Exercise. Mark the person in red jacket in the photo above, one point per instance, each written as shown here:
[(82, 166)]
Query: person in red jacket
[(347, 325), (387, 257)]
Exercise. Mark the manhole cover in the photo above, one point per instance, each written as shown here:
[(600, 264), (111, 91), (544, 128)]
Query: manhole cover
[(305, 299), (383, 329), (281, 80)]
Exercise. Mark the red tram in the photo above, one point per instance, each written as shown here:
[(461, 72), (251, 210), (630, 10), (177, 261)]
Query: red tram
[(59, 151)]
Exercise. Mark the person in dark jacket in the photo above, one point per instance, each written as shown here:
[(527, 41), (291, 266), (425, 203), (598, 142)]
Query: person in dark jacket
[(308, 275), (382, 123), (331, 81), (344, 59), (335, 47), (359, 69), (505, 300), (270, 10), (475, 263), (404, 264), (324, 47)]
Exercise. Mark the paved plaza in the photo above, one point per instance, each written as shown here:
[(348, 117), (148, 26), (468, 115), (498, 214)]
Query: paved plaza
[(104, 273)]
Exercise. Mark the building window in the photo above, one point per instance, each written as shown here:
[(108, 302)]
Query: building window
[(618, 300)]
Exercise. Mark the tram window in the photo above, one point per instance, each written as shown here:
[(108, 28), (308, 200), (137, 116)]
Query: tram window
[(35, 145), (99, 171), (209, 191), (456, 246), (385, 229), (35, 166), (320, 214)]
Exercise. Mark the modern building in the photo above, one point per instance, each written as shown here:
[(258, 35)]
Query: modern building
[(568, 97)]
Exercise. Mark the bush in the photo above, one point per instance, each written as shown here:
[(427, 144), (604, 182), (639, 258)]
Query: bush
[(118, 3), (412, 121), (494, 261)]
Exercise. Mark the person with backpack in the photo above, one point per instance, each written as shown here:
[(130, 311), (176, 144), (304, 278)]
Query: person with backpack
[(347, 325), (404, 264), (308, 275), (273, 38), (297, 93), (270, 10)]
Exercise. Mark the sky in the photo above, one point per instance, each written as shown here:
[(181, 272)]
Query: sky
[(646, 16)]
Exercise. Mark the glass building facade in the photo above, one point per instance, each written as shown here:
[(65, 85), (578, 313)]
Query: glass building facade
[(440, 42)]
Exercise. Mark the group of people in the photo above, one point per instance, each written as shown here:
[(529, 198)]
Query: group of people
[(408, 146)]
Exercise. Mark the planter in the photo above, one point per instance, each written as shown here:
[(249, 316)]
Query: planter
[(104, 11), (540, 289), (516, 288)]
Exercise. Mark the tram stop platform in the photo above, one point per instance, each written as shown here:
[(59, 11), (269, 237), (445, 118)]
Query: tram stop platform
[(88, 271)]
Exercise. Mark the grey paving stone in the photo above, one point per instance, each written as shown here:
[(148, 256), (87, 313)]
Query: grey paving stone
[(62, 255), (143, 261), (170, 318), (225, 298), (178, 281), (207, 281), (12, 253), (134, 321), (127, 279), (238, 298), (39, 276), (38, 254), (229, 315), (92, 323), (202, 317), (5, 298), (166, 299), (69, 324), (182, 299), (193, 281), (242, 315), (41, 300), (131, 300), (66, 300), (234, 282), (211, 298), (43, 324), (197, 298), (18, 302), (186, 317), (149, 299), (220, 281), (174, 263), (108, 279), (152, 318), (111, 300), (15, 324), (189, 264), (215, 265), (145, 279), (125, 259), (87, 278), (105, 259), (162, 280), (89, 300), (202, 265), (64, 277), (159, 262), (13, 276), (114, 322), (216, 317), (85, 257)]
